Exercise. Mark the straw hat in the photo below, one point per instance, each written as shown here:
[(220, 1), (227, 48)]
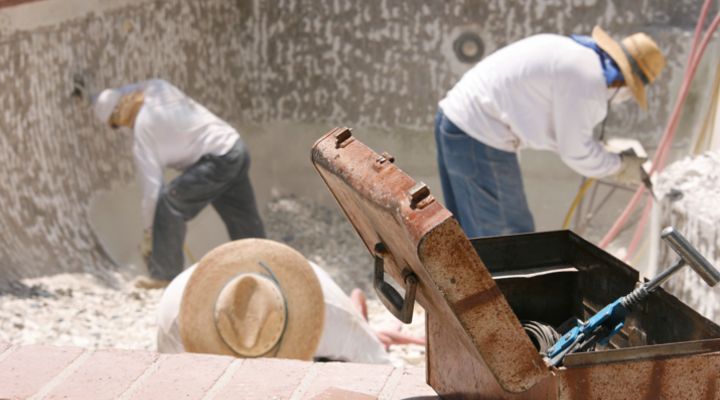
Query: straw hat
[(253, 298), (638, 57)]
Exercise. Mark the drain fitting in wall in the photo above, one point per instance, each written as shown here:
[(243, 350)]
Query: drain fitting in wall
[(469, 47)]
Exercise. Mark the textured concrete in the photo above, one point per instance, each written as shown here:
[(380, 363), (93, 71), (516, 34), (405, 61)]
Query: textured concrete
[(133, 374), (382, 65)]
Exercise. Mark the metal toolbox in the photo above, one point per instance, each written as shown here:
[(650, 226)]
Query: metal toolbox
[(476, 292)]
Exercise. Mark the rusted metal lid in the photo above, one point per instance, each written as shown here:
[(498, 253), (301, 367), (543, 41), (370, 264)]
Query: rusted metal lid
[(387, 206)]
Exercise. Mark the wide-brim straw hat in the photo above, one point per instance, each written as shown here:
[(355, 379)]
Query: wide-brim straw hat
[(638, 57), (253, 298)]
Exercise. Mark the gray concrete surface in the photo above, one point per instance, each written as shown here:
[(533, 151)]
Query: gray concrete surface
[(284, 73)]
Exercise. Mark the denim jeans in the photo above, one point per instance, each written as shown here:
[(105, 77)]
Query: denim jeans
[(482, 185), (222, 181)]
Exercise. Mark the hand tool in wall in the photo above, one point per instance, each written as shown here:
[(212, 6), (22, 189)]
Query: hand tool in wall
[(611, 319)]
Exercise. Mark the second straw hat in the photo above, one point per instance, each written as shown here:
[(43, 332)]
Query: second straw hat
[(253, 298), (638, 57)]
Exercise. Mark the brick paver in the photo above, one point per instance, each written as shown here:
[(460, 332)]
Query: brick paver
[(362, 378), (412, 384), (265, 378), (24, 372), (75, 373), (183, 376), (334, 394), (105, 375)]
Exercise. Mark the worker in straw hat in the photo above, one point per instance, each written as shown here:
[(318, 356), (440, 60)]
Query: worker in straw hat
[(544, 92), (258, 298), (171, 130)]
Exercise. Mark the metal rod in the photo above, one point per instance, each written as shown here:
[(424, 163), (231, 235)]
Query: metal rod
[(665, 275)]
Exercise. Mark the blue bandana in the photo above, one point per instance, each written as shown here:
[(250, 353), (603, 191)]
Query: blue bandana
[(610, 68)]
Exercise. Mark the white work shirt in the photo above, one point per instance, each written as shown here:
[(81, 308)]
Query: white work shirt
[(346, 336), (544, 92), (172, 130)]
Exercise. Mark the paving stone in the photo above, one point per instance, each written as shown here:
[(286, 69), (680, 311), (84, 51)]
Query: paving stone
[(265, 378), (412, 385), (183, 376), (24, 372), (105, 375), (362, 378), (334, 393)]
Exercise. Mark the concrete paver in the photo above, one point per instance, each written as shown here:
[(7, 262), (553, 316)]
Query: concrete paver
[(183, 376), (362, 378), (74, 373), (412, 385), (24, 372), (105, 375), (265, 378)]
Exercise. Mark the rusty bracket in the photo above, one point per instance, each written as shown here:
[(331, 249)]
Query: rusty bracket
[(343, 137), (401, 308), (420, 196)]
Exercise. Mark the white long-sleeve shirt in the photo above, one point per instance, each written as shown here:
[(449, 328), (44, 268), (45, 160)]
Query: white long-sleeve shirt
[(172, 130), (544, 92), (346, 336)]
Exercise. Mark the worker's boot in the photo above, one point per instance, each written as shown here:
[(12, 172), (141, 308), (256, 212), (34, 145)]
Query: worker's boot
[(145, 282)]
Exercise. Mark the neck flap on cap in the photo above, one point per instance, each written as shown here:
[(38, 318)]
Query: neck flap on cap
[(610, 68)]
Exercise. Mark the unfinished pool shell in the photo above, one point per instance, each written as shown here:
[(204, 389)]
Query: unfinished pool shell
[(281, 73)]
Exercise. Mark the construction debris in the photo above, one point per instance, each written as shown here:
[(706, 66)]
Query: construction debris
[(81, 310)]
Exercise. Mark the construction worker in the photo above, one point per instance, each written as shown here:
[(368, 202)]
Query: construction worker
[(258, 298), (172, 130), (544, 92)]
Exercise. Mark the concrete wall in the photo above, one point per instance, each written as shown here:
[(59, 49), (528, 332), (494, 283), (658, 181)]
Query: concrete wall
[(284, 72)]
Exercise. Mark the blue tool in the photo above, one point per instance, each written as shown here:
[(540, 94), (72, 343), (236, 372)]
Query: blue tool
[(611, 319)]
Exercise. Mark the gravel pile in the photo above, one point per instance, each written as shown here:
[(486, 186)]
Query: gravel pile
[(81, 310), (324, 236)]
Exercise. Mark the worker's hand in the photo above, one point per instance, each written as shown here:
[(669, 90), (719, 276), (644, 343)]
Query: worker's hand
[(146, 247), (629, 172)]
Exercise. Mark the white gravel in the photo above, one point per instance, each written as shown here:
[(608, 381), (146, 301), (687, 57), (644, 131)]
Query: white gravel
[(80, 310)]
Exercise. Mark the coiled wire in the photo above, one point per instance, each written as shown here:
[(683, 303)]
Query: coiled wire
[(543, 335)]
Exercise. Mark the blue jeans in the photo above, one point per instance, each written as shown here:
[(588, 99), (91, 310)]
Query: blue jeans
[(221, 181), (482, 185)]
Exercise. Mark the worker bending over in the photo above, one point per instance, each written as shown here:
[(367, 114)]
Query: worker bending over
[(259, 298), (172, 130), (544, 92)]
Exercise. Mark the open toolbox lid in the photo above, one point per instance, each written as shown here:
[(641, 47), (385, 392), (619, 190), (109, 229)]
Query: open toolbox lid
[(421, 237)]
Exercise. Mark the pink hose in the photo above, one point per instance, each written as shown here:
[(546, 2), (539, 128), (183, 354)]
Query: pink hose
[(640, 229), (666, 140)]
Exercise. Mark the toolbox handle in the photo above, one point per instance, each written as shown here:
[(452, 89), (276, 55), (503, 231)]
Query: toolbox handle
[(401, 308)]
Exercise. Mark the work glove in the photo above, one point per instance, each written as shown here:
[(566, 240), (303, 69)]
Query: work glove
[(630, 170), (146, 248)]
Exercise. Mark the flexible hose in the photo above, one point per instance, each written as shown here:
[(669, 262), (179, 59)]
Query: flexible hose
[(666, 140), (577, 200), (640, 229), (189, 253), (709, 121)]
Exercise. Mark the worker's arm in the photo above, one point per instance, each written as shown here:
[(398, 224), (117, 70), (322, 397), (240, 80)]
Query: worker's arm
[(150, 172), (576, 146), (580, 103)]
